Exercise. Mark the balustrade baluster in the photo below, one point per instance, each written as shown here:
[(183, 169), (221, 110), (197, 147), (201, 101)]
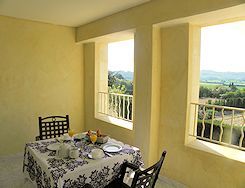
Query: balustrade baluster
[(242, 130), (128, 109), (195, 120), (123, 107), (232, 119), (223, 120), (116, 107), (132, 114), (212, 124), (101, 103), (221, 125), (106, 103), (203, 121), (119, 109), (112, 105)]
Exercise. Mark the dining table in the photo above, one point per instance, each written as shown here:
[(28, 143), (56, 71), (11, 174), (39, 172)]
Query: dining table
[(44, 169)]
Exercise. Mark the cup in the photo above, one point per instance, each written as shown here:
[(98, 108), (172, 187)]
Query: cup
[(93, 138), (71, 132), (66, 136), (63, 151), (97, 153), (74, 153)]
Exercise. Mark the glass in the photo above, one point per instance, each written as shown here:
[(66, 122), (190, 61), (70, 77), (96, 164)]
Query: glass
[(71, 132), (93, 138)]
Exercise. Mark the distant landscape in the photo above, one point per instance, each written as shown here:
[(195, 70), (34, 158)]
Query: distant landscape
[(207, 77), (127, 75), (219, 88), (222, 88), (213, 79), (120, 82)]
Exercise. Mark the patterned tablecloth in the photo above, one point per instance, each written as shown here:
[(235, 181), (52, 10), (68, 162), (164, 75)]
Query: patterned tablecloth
[(44, 169)]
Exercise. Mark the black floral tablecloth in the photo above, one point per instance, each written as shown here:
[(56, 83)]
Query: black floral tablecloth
[(45, 170)]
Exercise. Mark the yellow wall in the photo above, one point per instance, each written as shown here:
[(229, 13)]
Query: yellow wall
[(192, 167), (91, 123), (41, 74), (189, 166), (155, 11)]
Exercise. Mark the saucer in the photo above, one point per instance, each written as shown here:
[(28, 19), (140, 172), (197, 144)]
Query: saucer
[(54, 146), (91, 157)]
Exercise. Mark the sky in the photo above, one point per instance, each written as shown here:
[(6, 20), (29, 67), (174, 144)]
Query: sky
[(223, 47), (121, 56)]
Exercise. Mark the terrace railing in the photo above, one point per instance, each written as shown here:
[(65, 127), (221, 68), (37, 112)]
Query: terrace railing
[(219, 124), (116, 105)]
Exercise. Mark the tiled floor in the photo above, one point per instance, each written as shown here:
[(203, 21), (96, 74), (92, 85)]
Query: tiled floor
[(11, 175)]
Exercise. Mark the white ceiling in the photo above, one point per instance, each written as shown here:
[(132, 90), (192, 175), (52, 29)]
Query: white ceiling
[(64, 12)]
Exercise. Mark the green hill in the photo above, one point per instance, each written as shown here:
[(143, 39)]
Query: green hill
[(127, 75), (207, 75)]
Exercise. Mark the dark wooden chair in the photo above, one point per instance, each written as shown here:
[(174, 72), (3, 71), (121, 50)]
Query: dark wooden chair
[(52, 126), (142, 178), (87, 186)]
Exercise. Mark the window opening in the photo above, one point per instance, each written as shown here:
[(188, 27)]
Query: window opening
[(117, 102), (220, 113)]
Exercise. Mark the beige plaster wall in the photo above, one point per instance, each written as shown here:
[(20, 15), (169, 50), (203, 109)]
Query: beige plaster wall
[(155, 96), (189, 166), (41, 74), (150, 13), (146, 81), (192, 167), (91, 123)]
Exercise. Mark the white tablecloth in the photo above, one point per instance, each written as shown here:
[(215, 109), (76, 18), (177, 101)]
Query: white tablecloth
[(44, 169)]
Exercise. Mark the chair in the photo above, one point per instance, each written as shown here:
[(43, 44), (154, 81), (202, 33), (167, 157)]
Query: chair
[(52, 126), (142, 178), (87, 186)]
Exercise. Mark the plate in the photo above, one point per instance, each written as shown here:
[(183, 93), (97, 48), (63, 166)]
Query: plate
[(79, 136), (54, 146), (63, 138), (112, 148)]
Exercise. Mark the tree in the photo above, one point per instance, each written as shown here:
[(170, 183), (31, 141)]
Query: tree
[(205, 92), (117, 84)]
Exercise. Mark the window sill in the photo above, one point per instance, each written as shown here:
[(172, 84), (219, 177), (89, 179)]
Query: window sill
[(219, 150), (115, 121)]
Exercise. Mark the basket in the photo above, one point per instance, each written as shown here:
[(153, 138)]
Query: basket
[(102, 139)]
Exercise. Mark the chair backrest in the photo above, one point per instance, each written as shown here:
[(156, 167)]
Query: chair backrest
[(149, 176), (53, 126)]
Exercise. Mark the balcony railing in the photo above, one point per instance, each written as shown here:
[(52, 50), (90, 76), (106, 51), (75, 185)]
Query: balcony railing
[(116, 105), (219, 124)]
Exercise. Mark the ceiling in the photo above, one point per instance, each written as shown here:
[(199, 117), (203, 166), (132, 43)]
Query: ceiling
[(64, 12)]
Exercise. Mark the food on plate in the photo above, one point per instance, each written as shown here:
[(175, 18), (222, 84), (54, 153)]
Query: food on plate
[(89, 133), (97, 137), (98, 132)]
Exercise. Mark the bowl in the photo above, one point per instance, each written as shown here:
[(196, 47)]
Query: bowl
[(102, 139), (97, 154), (79, 136)]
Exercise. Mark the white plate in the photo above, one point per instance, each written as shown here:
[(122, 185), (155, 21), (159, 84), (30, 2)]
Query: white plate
[(112, 148), (54, 146)]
